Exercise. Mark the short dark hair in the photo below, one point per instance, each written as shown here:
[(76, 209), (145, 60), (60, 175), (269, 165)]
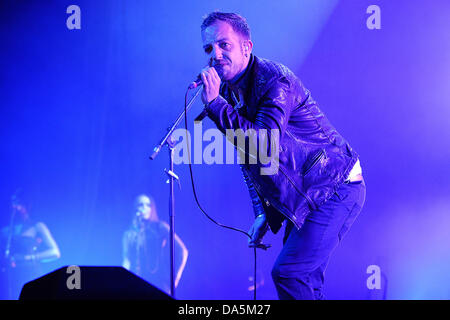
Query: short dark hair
[(237, 22)]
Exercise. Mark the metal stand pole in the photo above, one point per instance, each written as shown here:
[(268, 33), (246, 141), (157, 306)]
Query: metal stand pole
[(167, 139), (172, 217)]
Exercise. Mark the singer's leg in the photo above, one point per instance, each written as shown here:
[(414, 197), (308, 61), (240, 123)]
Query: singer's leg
[(299, 270)]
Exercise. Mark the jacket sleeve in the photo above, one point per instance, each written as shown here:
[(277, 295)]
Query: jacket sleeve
[(272, 112), (258, 207)]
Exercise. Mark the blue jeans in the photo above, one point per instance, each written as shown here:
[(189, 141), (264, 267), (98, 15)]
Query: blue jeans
[(298, 272)]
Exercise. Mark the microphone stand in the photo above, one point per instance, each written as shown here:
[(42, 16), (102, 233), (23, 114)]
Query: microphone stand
[(167, 140)]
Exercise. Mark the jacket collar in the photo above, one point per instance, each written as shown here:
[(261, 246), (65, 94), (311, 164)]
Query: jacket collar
[(242, 82)]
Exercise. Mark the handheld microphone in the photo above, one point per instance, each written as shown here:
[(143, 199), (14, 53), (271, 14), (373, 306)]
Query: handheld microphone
[(199, 82), (196, 83)]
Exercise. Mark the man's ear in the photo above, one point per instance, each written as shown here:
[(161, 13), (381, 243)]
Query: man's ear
[(248, 46)]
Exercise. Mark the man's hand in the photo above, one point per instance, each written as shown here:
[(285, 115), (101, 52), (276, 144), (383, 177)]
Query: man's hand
[(211, 84), (257, 231)]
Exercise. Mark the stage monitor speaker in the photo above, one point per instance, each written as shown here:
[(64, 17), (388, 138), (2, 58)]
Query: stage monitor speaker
[(91, 283)]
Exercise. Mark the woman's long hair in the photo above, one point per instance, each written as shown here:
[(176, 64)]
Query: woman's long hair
[(138, 220)]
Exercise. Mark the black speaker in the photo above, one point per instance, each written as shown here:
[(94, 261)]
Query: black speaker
[(91, 283)]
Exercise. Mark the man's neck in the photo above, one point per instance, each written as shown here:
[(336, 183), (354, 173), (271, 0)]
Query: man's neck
[(233, 82)]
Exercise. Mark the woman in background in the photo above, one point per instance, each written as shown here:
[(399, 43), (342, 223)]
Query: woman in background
[(26, 245), (146, 246)]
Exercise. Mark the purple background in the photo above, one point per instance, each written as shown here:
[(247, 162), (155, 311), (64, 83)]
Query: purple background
[(81, 111)]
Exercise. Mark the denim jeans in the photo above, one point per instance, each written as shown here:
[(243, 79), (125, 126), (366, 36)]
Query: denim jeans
[(299, 270)]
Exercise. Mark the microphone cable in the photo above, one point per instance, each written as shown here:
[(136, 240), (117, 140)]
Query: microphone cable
[(198, 203)]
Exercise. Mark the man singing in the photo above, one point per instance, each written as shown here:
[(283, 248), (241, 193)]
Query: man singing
[(318, 187)]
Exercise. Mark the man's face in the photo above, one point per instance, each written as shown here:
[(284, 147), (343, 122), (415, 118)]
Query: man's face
[(224, 47)]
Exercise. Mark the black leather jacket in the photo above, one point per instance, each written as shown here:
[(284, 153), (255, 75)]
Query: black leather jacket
[(314, 159)]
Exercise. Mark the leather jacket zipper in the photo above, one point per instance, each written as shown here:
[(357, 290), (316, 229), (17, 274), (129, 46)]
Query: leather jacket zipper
[(316, 159), (311, 203)]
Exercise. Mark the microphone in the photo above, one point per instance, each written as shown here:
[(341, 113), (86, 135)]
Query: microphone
[(196, 83), (199, 82)]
